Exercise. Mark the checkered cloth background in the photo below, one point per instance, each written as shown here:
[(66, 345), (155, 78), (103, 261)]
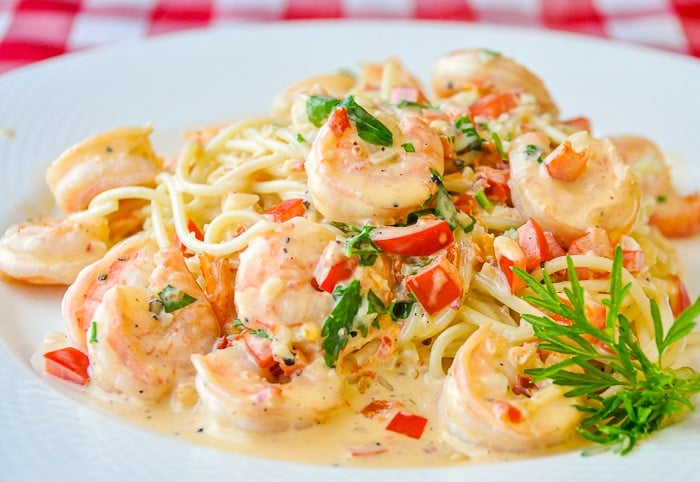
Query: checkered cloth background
[(32, 30)]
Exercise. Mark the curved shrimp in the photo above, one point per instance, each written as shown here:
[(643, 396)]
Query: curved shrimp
[(486, 405), (581, 183), (274, 282), (675, 215), (145, 334), (120, 157), (354, 182), (239, 388), (128, 262), (386, 76), (486, 72), (52, 251)]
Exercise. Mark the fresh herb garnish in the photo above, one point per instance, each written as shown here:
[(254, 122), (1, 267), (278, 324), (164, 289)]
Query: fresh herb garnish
[(534, 150), (92, 338), (483, 200), (400, 309), (173, 298), (628, 395), (473, 140), (499, 146), (300, 139), (397, 309), (260, 332), (369, 128), (410, 103), (408, 147), (319, 107), (337, 327), (359, 243), (445, 208)]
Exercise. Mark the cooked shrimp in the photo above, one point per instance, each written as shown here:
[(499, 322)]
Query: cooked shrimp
[(675, 215), (127, 263), (142, 347), (386, 76), (237, 390), (336, 85), (487, 405), (485, 72), (582, 183), (52, 251), (120, 157), (273, 284), (355, 182)]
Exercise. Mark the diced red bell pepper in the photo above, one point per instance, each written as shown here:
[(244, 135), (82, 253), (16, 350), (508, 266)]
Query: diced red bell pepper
[(555, 249), (68, 364), (566, 164), (507, 412), (595, 241), (509, 255), (408, 424), (286, 210), (338, 121), (420, 239), (493, 105), (534, 244), (497, 187), (333, 267), (260, 348), (437, 285)]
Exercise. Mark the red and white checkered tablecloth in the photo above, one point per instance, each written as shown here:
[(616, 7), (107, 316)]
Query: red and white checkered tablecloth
[(33, 30)]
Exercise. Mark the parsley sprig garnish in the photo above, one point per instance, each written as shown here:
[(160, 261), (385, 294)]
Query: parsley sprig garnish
[(628, 396)]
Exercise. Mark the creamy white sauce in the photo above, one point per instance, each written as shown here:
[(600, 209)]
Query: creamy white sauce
[(330, 444)]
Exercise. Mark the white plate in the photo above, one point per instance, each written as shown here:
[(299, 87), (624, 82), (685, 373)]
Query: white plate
[(187, 80)]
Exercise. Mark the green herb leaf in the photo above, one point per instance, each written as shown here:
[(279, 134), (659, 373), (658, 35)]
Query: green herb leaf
[(259, 332), (483, 201), (400, 309), (376, 305), (362, 246), (369, 128), (173, 298), (319, 107), (408, 147), (473, 140), (93, 332), (402, 104), (534, 150), (499, 146), (445, 208), (337, 327)]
